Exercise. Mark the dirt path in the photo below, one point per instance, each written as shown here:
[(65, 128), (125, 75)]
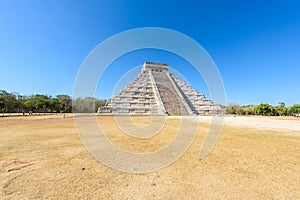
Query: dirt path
[(262, 123)]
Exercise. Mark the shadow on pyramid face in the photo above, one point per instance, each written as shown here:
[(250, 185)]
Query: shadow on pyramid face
[(171, 101)]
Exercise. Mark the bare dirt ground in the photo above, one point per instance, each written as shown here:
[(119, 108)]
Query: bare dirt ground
[(42, 157)]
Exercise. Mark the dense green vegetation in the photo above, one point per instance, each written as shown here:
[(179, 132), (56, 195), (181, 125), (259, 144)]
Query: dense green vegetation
[(263, 109), (39, 103)]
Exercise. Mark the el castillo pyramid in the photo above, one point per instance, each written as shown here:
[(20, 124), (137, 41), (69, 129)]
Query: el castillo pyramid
[(155, 91)]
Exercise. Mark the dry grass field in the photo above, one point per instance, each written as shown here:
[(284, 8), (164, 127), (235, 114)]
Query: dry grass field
[(42, 157)]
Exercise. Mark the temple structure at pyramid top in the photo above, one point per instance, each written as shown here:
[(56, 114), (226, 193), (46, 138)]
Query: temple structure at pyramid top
[(155, 91), (151, 66)]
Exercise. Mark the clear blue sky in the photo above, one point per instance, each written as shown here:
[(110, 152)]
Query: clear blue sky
[(255, 44)]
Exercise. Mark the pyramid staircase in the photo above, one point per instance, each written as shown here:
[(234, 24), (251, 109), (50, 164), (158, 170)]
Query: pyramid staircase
[(156, 91), (172, 99)]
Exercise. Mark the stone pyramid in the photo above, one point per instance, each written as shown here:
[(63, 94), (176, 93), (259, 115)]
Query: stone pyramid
[(155, 91)]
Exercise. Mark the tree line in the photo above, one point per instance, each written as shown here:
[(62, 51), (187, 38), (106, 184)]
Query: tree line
[(40, 103), (263, 109)]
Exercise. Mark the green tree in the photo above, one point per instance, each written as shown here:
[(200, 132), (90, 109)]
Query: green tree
[(20, 102), (9, 101), (281, 104), (264, 109), (99, 103), (295, 109), (87, 105), (2, 103), (53, 105), (247, 109), (29, 104), (232, 108), (40, 102), (241, 110), (65, 102), (281, 110), (14, 102)]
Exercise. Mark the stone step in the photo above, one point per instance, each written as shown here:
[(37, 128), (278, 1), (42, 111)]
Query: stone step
[(168, 94)]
